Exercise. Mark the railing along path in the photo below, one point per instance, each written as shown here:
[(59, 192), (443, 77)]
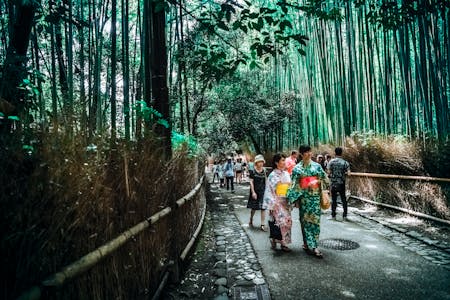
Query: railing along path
[(401, 177), (91, 259)]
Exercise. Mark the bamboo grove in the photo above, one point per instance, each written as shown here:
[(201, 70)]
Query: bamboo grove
[(269, 73)]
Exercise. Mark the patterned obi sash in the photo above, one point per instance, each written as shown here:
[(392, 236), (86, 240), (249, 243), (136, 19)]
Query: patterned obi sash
[(309, 182), (281, 189)]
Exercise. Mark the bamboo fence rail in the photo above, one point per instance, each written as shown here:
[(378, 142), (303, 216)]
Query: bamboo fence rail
[(401, 177), (390, 176), (405, 210), (91, 259)]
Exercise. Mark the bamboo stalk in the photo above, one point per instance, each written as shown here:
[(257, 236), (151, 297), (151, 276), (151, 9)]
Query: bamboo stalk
[(161, 286), (389, 176), (127, 184)]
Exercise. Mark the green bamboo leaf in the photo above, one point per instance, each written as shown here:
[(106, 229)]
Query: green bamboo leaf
[(14, 118), (28, 147)]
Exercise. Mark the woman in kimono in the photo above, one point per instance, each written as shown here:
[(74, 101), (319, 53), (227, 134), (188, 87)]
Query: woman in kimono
[(275, 201), (308, 180)]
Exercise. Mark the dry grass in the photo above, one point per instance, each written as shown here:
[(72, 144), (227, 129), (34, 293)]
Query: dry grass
[(65, 201), (394, 155)]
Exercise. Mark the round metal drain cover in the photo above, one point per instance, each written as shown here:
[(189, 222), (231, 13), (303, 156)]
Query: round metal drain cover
[(339, 244)]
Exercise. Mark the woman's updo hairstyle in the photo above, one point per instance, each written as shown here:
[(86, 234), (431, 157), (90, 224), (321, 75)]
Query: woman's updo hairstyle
[(276, 158)]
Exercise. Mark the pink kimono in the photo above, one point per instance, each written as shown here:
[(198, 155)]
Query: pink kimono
[(277, 204)]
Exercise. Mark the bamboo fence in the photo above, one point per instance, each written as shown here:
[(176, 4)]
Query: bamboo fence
[(405, 177), (401, 177), (91, 259)]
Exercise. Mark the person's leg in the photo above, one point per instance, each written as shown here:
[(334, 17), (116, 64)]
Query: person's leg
[(302, 226), (333, 201), (252, 214), (343, 199), (263, 218), (311, 220), (228, 182), (232, 183)]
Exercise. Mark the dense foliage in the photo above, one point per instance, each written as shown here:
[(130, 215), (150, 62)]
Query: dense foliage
[(342, 66)]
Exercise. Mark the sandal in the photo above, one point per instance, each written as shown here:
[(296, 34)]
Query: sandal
[(250, 224), (263, 228), (317, 253), (285, 248), (305, 248)]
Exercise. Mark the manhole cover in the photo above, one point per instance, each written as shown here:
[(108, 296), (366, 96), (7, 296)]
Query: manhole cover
[(338, 244)]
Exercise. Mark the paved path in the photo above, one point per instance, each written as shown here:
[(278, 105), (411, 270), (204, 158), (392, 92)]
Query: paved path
[(381, 268)]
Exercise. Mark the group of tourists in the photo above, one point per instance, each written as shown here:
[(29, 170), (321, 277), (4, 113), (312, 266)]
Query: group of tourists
[(296, 181), (230, 170)]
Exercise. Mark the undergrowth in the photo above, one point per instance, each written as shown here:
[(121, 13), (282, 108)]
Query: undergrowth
[(400, 156), (64, 199)]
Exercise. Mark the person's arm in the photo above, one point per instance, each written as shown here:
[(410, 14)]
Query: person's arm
[(328, 169), (269, 194), (252, 186)]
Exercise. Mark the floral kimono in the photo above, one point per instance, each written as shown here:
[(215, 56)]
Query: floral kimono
[(307, 183), (278, 203)]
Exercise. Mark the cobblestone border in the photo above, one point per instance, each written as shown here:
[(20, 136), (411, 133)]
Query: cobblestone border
[(236, 262)]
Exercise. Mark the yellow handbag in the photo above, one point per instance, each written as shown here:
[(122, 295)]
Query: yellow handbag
[(325, 202)]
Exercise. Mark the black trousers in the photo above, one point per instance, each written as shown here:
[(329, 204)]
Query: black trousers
[(335, 190), (215, 175), (230, 179)]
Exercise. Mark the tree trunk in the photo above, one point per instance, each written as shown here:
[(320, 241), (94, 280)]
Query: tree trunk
[(83, 122), (126, 68), (113, 69), (156, 39), (14, 68)]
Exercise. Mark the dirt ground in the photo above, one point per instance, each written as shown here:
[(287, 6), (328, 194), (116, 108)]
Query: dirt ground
[(197, 281)]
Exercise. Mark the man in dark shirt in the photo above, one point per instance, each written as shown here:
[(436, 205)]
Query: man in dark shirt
[(337, 168)]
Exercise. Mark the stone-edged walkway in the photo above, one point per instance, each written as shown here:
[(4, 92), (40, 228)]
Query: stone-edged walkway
[(236, 261), (237, 269)]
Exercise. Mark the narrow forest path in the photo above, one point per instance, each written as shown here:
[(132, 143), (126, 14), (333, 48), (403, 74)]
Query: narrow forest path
[(239, 263)]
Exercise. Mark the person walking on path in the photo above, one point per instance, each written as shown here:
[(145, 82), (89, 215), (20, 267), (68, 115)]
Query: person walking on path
[(238, 170), (275, 201), (291, 161), (321, 161), (327, 160), (229, 174), (215, 170), (220, 170), (308, 179), (257, 187), (337, 168)]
